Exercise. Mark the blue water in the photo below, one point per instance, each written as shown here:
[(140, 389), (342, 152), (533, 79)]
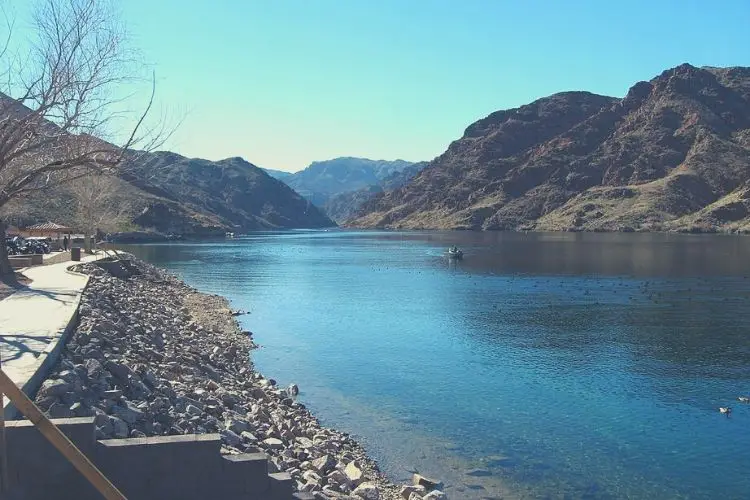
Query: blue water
[(562, 365)]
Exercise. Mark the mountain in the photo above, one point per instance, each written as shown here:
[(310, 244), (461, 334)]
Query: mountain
[(343, 206), (278, 174), (192, 194), (322, 180), (673, 154), (162, 191), (170, 194)]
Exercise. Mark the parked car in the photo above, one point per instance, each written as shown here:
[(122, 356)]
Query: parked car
[(18, 245)]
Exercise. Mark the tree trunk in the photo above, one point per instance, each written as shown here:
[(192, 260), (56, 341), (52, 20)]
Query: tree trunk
[(5, 267)]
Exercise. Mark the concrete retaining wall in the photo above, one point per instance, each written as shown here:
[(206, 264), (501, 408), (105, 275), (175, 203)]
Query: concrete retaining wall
[(21, 261), (185, 467)]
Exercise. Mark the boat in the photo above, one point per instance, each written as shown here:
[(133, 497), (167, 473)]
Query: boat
[(455, 253), (230, 235)]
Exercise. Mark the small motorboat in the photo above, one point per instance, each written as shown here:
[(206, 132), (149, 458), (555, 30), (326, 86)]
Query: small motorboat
[(455, 253)]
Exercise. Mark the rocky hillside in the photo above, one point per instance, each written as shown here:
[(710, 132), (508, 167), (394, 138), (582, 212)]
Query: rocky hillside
[(343, 206), (324, 179), (167, 193), (185, 195), (674, 154)]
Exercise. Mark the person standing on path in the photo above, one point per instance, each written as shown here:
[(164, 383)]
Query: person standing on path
[(65, 243)]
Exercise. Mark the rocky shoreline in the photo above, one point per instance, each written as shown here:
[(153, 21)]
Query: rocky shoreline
[(152, 356)]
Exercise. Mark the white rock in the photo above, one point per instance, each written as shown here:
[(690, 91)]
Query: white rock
[(368, 491), (353, 473), (273, 443), (311, 477)]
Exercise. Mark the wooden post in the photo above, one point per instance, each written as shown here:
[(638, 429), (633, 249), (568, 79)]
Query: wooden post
[(3, 449), (58, 439)]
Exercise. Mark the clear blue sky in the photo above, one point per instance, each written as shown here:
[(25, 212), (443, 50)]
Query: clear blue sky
[(286, 82)]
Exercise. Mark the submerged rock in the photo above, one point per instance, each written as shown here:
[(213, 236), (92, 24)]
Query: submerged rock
[(430, 484)]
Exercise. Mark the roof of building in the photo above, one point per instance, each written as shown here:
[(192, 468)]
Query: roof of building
[(49, 226)]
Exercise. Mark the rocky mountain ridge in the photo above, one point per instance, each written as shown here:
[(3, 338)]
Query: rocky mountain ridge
[(343, 206), (230, 194), (673, 154), (322, 180)]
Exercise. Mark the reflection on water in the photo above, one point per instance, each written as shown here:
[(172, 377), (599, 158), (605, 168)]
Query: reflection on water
[(566, 365)]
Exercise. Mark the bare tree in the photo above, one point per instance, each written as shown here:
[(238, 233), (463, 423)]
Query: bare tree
[(97, 207), (61, 97)]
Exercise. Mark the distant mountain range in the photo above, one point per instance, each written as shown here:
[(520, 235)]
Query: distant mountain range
[(674, 154), (322, 180), (343, 206), (278, 174)]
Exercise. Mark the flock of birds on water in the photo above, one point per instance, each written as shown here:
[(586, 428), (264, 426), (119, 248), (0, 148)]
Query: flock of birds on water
[(724, 410), (727, 410)]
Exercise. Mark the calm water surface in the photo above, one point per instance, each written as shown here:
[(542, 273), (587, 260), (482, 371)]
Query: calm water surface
[(558, 365)]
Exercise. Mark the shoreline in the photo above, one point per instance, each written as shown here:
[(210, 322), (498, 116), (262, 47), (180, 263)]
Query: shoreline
[(153, 356)]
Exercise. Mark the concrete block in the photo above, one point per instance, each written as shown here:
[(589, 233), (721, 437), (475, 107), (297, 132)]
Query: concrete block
[(161, 467), (282, 487), (36, 468), (186, 467), (245, 474)]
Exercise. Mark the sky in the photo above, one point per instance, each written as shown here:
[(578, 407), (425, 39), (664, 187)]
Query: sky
[(283, 83)]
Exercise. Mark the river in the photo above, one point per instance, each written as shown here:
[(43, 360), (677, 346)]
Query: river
[(542, 365)]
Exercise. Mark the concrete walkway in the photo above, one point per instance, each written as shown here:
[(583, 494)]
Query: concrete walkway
[(34, 320)]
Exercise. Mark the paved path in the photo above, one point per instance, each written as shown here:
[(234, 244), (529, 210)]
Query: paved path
[(33, 320)]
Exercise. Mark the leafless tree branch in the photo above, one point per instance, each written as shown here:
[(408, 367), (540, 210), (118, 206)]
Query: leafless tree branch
[(63, 96)]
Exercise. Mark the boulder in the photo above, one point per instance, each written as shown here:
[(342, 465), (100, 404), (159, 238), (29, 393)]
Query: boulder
[(323, 464), (113, 394), (54, 388), (193, 411), (274, 443), (230, 438), (435, 495), (238, 425), (353, 473), (311, 477), (406, 491), (304, 442), (119, 427), (249, 436), (118, 370), (59, 410), (94, 368), (430, 484), (127, 413), (367, 491), (478, 472)]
